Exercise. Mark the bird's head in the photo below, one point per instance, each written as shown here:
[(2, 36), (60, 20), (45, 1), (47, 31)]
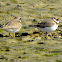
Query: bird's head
[(55, 19), (18, 18)]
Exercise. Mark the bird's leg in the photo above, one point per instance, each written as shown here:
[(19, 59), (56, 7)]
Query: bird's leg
[(13, 35), (57, 35), (9, 34), (46, 35)]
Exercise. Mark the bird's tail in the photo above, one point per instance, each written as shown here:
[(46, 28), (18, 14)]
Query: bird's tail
[(33, 25)]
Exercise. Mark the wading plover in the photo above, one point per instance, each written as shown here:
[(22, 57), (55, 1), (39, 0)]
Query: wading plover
[(13, 26), (48, 25)]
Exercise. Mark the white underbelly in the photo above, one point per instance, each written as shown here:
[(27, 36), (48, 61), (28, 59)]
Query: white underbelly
[(49, 29), (12, 30)]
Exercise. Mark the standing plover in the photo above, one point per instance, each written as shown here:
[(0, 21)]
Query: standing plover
[(13, 26), (48, 25)]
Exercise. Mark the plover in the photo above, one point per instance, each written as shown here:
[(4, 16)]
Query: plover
[(13, 26), (48, 25)]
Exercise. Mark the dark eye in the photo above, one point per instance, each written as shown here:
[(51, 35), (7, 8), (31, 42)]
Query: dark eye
[(54, 18), (20, 18), (57, 19)]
